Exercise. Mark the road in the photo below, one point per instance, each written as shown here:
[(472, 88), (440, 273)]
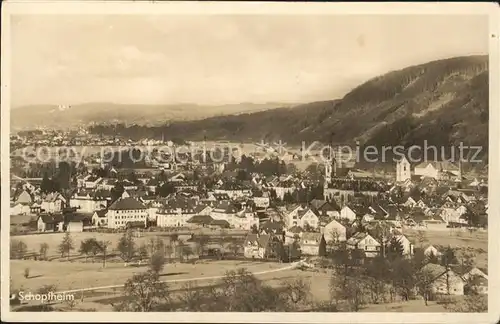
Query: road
[(291, 266)]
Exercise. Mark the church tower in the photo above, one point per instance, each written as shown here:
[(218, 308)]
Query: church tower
[(403, 170), (330, 171)]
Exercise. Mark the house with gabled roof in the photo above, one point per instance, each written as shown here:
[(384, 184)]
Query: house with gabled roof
[(245, 219), (99, 218), (257, 246), (90, 200), (224, 210), (199, 221), (408, 246), (437, 170), (443, 280), (126, 210), (476, 279), (50, 222), (323, 207), (24, 198), (177, 211), (272, 227), (307, 218), (353, 212), (53, 202), (309, 243), (334, 231), (364, 242), (19, 209), (430, 250)]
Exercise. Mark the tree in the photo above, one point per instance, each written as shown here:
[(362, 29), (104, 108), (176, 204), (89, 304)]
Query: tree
[(423, 280), (419, 259), (165, 189), (94, 248), (322, 246), (241, 291), (180, 249), (66, 245), (377, 273), (470, 304), (187, 251), (174, 238), (395, 249), (117, 191), (448, 257), (403, 277), (297, 291), (103, 248), (157, 262), (242, 175), (143, 252), (235, 247), (350, 288), (126, 246), (86, 247), (143, 293), (44, 248), (201, 241), (191, 297), (17, 249)]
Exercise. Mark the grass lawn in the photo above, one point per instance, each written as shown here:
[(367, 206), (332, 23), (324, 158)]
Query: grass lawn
[(411, 306), (76, 275)]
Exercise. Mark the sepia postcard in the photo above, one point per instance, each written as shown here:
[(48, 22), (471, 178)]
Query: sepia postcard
[(250, 162)]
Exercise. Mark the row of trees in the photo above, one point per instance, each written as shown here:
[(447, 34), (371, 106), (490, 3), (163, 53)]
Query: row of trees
[(238, 291), (267, 167)]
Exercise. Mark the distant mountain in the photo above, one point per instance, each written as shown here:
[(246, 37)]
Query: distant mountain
[(67, 116), (444, 102)]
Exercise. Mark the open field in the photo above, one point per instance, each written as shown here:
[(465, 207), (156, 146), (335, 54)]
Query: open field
[(411, 306), (476, 242), (75, 275)]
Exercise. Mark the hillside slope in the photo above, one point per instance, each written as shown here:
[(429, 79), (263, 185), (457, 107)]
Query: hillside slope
[(444, 102)]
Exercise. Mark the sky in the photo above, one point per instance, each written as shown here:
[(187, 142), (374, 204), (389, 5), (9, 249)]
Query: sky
[(160, 59)]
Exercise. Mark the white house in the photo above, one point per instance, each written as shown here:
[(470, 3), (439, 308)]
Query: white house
[(444, 281), (256, 246), (88, 202), (406, 244), (99, 218), (334, 232), (309, 243), (437, 170), (53, 202), (347, 213), (245, 219), (431, 250), (364, 242), (307, 218), (19, 209), (126, 210)]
